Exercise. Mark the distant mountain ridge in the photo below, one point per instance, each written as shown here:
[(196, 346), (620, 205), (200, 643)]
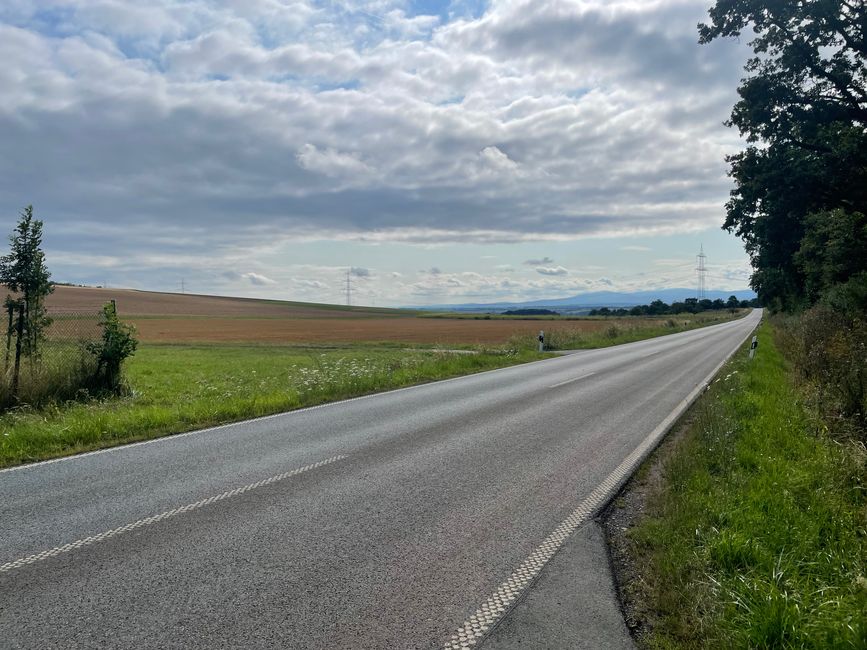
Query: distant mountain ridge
[(597, 299)]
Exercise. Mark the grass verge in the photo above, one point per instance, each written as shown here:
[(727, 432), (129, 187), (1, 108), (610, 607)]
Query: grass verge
[(178, 388), (630, 329), (753, 534)]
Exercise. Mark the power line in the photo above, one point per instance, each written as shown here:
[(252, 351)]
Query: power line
[(702, 272), (348, 288)]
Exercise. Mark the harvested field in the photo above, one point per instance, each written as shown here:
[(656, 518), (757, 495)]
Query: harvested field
[(186, 318), (152, 303), (349, 330)]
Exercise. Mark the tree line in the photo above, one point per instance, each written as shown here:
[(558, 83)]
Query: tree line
[(688, 306)]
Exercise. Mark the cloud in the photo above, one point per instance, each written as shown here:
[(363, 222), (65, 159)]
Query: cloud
[(541, 262), (637, 249), (258, 279), (215, 128), (556, 270)]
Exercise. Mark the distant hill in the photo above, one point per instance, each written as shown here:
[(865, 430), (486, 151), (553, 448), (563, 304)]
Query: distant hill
[(595, 299)]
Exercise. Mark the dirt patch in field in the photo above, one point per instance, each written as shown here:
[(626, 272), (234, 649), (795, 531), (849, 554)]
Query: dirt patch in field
[(152, 303), (347, 330)]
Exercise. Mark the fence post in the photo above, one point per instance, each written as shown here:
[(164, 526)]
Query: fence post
[(10, 307), (19, 334)]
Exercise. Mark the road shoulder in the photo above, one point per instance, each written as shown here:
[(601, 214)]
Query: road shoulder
[(573, 604)]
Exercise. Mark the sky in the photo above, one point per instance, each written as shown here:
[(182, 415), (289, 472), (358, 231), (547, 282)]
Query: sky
[(436, 151)]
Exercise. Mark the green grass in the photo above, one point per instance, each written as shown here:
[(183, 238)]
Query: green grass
[(756, 537), (177, 388)]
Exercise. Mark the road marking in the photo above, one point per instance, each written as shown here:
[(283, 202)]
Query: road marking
[(147, 521), (492, 611), (569, 381)]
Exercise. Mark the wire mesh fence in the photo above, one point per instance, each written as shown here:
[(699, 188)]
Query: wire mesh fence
[(55, 365)]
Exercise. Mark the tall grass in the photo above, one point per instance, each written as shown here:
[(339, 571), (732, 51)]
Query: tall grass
[(756, 538), (62, 372)]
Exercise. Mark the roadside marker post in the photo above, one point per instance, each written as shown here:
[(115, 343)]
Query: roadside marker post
[(541, 341), (753, 346)]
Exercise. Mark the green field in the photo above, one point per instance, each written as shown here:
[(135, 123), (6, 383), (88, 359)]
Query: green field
[(755, 536), (176, 388)]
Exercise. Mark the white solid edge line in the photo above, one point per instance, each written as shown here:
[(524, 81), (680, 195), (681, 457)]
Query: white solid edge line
[(494, 609), (569, 381), (169, 437), (147, 521)]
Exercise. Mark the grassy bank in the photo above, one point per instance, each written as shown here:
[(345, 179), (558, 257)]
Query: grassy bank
[(754, 534)]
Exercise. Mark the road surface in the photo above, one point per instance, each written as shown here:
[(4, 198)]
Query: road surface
[(409, 519)]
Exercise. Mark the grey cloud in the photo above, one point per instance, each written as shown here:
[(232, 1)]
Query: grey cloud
[(542, 262), (522, 125)]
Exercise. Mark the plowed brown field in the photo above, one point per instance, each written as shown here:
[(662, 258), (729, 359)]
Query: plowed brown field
[(152, 303), (185, 318)]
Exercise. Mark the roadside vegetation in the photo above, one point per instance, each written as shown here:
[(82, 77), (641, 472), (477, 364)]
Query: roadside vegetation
[(626, 330), (173, 388), (178, 388), (42, 362), (754, 534)]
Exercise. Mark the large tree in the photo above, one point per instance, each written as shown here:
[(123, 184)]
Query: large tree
[(803, 111), (24, 272)]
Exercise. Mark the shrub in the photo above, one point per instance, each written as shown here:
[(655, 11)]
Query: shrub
[(118, 342), (829, 350)]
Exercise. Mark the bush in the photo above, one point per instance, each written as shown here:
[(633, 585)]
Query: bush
[(829, 350), (117, 344)]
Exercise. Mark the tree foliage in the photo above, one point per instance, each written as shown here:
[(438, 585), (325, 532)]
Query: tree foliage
[(803, 178), (24, 272), (118, 342)]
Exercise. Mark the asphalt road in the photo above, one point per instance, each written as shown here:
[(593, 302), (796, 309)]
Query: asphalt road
[(380, 522)]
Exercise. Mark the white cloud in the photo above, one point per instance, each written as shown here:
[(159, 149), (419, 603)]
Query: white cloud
[(258, 279), (233, 125), (552, 270)]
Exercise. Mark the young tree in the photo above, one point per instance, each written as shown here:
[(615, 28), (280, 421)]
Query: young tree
[(118, 342), (23, 271)]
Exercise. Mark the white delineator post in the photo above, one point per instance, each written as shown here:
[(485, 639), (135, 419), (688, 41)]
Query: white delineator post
[(753, 346), (541, 341)]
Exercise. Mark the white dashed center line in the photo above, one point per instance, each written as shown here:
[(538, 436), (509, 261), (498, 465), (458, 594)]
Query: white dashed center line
[(147, 521), (569, 381)]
